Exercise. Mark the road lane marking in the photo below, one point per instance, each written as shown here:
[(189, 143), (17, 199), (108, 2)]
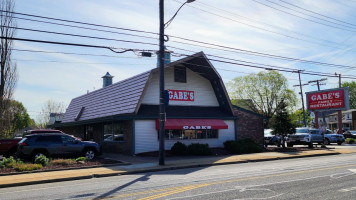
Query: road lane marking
[(174, 192), (353, 170), (348, 189), (179, 188)]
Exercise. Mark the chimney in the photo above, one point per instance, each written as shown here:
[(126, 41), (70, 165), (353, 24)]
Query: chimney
[(107, 79), (167, 57)]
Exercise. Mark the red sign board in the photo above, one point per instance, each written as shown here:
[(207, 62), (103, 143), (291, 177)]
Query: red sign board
[(181, 95), (325, 100)]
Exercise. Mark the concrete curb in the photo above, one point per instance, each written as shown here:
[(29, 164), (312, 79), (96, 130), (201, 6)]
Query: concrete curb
[(155, 169)]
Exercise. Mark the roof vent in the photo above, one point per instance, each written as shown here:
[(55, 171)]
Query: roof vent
[(107, 79)]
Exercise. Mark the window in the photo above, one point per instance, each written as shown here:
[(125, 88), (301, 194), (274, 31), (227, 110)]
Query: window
[(180, 74), (191, 134), (114, 131), (67, 139), (49, 139)]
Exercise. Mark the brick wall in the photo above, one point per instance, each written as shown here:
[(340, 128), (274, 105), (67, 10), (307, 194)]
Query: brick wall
[(249, 126)]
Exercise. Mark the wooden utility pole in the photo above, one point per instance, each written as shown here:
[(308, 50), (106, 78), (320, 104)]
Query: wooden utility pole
[(316, 113), (301, 95)]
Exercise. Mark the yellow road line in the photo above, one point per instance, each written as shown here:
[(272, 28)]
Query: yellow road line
[(175, 190)]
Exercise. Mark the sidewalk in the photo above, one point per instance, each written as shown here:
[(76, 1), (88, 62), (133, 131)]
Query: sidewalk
[(150, 164)]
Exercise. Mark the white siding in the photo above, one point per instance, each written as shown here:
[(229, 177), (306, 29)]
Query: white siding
[(203, 91), (146, 137)]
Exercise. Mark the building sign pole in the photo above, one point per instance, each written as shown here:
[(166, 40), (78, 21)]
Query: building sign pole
[(339, 113)]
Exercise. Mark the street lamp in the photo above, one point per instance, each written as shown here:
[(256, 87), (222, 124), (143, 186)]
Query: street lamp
[(162, 111)]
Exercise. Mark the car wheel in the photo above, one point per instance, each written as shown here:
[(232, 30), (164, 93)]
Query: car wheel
[(89, 154), (339, 143), (310, 145), (289, 144), (327, 141)]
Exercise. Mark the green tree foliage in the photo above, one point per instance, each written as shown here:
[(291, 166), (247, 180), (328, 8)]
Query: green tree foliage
[(262, 92), (352, 93), (282, 124), (21, 118), (297, 118)]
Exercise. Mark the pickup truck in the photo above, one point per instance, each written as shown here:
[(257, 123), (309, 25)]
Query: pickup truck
[(305, 136), (8, 147)]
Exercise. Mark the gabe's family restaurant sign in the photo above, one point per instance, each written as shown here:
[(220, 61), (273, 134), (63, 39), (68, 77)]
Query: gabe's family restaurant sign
[(181, 95), (336, 99)]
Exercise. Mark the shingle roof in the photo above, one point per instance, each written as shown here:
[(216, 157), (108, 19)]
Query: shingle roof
[(119, 98)]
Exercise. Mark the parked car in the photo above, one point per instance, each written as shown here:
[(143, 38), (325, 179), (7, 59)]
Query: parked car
[(334, 138), (350, 134), (8, 147), (271, 139), (305, 136), (56, 145)]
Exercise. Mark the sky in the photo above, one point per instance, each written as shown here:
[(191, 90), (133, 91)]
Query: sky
[(319, 31)]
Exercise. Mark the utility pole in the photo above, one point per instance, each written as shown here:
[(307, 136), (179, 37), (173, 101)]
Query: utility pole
[(316, 113), (339, 113), (323, 113), (161, 83), (301, 94)]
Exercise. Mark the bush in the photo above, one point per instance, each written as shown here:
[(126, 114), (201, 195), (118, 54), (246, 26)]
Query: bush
[(242, 146), (199, 149), (81, 159), (179, 149), (8, 162), (63, 162), (27, 167), (350, 141), (42, 159)]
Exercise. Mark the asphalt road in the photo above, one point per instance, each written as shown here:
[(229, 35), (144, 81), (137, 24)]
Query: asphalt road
[(327, 177)]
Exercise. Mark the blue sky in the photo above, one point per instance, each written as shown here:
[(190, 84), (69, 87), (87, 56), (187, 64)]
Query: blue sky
[(322, 31)]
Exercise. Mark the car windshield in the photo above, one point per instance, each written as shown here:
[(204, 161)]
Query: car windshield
[(268, 132), (302, 130), (353, 132)]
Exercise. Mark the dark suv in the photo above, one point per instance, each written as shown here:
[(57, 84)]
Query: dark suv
[(56, 145)]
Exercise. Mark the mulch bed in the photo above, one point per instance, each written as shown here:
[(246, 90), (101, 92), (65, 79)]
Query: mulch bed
[(93, 163)]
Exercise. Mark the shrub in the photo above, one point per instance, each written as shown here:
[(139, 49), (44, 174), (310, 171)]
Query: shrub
[(199, 149), (242, 146), (8, 162), (179, 149), (63, 162), (42, 159), (81, 159), (27, 167), (350, 140)]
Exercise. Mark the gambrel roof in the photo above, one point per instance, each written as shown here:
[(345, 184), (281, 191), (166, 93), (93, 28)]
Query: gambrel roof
[(124, 97)]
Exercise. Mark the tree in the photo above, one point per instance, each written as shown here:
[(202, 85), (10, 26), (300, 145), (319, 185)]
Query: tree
[(8, 72), (352, 93), (282, 124), (21, 119), (49, 107), (262, 92), (297, 118)]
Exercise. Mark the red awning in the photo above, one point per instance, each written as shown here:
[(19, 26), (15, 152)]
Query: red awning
[(193, 124)]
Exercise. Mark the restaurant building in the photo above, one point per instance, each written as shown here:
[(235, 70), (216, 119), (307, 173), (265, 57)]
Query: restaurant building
[(123, 117)]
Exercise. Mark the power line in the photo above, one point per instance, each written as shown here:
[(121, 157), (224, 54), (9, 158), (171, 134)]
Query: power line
[(205, 43), (301, 16)]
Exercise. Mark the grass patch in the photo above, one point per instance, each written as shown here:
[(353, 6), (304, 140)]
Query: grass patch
[(350, 141)]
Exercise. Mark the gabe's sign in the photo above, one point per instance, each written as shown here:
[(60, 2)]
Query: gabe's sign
[(335, 99), (181, 95)]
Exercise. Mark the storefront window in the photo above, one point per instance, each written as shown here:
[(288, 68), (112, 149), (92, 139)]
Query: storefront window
[(191, 134), (114, 131)]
